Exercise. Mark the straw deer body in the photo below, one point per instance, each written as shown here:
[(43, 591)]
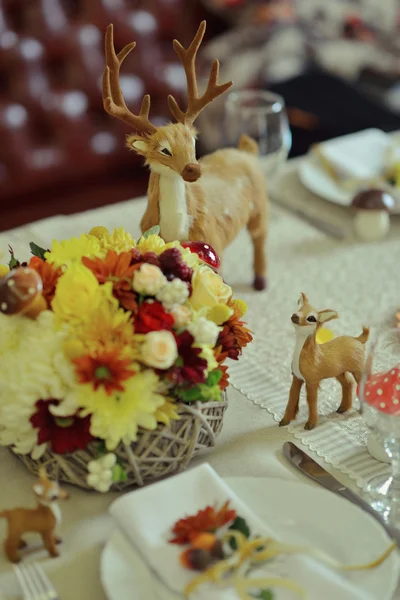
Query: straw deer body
[(42, 520), (341, 358), (208, 200)]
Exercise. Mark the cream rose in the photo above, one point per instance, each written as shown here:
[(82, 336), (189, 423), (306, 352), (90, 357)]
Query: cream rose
[(159, 349), (208, 289), (148, 280), (181, 315)]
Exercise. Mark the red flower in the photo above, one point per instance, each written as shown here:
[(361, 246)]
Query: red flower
[(208, 520), (152, 316), (118, 269), (64, 434), (48, 274), (191, 367), (104, 368)]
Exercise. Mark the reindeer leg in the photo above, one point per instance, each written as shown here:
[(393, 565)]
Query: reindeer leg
[(22, 544), (347, 392), (11, 549), (50, 544), (312, 401), (293, 402), (258, 236)]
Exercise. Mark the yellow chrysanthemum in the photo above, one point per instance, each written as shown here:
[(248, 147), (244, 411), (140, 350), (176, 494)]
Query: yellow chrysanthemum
[(239, 305), (4, 269), (116, 418), (167, 412), (152, 243), (219, 313), (69, 251), (78, 295), (107, 327), (119, 240), (208, 354)]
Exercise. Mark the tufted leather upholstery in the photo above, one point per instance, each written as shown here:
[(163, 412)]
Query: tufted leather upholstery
[(53, 129)]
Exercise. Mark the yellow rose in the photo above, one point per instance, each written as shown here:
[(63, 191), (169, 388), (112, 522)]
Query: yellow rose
[(159, 349), (78, 295), (3, 270), (208, 289)]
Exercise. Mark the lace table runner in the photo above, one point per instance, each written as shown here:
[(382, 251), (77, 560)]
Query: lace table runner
[(361, 282)]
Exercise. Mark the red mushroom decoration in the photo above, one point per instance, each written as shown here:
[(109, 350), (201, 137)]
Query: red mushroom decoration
[(382, 391), (21, 293), (205, 252)]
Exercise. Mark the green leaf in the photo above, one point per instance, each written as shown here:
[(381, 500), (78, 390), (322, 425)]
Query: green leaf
[(118, 473), (37, 250), (191, 394), (13, 262), (152, 231), (209, 394), (214, 377), (239, 524), (264, 595)]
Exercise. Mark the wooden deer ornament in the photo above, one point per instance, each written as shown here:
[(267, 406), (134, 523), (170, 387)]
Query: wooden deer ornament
[(43, 519), (340, 358), (208, 200)]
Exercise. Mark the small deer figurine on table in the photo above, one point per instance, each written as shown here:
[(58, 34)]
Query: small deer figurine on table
[(312, 362), (210, 200), (43, 519)]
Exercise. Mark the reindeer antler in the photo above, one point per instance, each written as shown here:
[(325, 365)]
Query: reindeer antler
[(113, 99), (195, 103)]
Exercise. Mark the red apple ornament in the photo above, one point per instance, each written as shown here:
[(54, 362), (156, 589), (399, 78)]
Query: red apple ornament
[(205, 252)]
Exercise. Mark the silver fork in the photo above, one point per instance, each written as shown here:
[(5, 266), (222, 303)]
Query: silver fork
[(34, 582)]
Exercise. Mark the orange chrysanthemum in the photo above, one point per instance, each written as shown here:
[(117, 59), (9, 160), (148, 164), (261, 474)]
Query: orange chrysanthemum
[(103, 368), (234, 336), (220, 357), (207, 520), (49, 276), (116, 268)]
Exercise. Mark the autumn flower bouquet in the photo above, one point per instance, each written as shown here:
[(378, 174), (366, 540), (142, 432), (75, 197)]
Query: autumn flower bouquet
[(112, 356)]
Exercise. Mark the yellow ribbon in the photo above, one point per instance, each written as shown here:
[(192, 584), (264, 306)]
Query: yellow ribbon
[(226, 571)]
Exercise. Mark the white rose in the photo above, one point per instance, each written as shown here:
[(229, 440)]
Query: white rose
[(205, 332), (181, 315), (176, 292), (148, 280), (159, 349)]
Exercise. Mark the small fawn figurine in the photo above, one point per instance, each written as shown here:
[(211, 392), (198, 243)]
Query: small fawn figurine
[(340, 358), (210, 200), (43, 519)]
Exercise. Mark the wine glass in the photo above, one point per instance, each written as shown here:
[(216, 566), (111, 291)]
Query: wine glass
[(380, 404), (262, 116)]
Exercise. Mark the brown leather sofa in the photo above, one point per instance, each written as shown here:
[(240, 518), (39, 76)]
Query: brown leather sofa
[(54, 133)]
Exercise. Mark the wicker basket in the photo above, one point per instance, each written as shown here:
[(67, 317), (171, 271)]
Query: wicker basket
[(155, 454)]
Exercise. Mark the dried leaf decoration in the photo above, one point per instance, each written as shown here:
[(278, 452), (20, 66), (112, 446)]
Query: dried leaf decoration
[(207, 520)]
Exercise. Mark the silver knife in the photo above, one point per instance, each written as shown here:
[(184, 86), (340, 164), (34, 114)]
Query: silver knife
[(312, 469)]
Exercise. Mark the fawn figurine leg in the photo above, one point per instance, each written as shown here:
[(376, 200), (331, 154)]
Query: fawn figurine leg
[(293, 403), (347, 392), (11, 545), (312, 401), (258, 236), (50, 544)]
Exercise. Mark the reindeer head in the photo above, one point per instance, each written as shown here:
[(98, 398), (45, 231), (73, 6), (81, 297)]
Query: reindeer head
[(307, 319), (168, 150), (47, 491)]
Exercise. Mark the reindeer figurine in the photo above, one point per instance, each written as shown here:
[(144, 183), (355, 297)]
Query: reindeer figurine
[(43, 520), (312, 362), (210, 200)]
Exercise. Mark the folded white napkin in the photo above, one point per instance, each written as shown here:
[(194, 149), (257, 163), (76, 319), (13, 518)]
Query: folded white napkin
[(148, 515), (357, 156)]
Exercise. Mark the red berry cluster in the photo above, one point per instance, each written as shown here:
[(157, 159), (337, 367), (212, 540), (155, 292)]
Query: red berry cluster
[(173, 265)]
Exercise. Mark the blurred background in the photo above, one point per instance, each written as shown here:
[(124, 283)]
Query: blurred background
[(335, 62)]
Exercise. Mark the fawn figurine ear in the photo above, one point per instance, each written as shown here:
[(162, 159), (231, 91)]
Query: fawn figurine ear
[(327, 315), (38, 489)]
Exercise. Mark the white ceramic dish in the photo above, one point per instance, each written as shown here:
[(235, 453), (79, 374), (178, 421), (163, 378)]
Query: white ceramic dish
[(306, 515)]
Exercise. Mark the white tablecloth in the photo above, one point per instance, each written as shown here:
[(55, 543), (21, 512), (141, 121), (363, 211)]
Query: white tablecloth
[(251, 441)]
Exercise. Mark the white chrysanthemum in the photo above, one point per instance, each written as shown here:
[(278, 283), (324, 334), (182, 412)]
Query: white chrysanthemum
[(101, 472), (33, 367), (205, 332), (176, 292)]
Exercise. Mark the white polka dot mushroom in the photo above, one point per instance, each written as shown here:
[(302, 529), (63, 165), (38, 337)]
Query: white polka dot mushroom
[(382, 391), (21, 293)]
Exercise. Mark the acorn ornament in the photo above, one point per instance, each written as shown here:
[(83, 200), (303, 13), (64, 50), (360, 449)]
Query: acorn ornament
[(21, 293)]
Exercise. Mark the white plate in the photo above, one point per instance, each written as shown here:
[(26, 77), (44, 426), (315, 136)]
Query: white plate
[(306, 515), (317, 181)]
